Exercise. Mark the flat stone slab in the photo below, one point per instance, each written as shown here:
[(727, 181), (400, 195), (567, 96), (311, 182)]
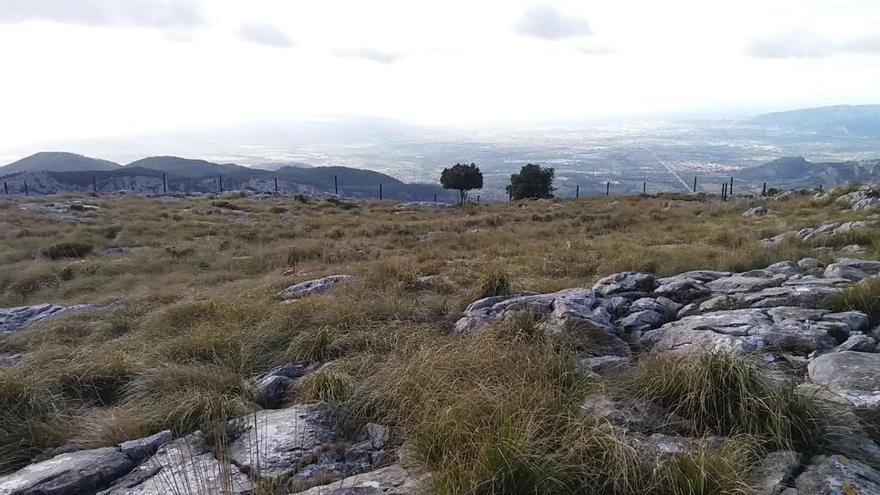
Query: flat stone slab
[(853, 376), (84, 471)]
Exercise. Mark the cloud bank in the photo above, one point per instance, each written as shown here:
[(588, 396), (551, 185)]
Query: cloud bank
[(369, 54), (264, 34), (547, 23), (167, 15), (806, 44)]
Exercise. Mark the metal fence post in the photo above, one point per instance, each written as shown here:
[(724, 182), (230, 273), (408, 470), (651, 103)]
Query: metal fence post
[(380, 191), (577, 191), (608, 188)]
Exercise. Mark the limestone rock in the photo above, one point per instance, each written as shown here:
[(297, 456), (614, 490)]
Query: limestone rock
[(837, 474), (625, 282), (185, 466), (84, 471), (311, 287), (17, 318), (758, 211), (277, 440), (774, 471), (391, 480), (145, 447), (852, 376)]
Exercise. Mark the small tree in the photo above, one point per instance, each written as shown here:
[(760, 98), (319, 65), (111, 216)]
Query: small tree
[(462, 178), (532, 181)]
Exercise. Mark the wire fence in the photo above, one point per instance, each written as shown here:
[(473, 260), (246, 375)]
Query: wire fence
[(724, 187)]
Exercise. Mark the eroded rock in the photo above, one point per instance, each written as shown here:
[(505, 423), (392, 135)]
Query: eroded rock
[(312, 287)]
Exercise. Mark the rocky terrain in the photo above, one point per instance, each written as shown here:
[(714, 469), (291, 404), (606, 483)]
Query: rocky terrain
[(266, 346)]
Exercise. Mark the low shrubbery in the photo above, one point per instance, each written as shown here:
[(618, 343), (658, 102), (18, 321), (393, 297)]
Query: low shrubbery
[(67, 250)]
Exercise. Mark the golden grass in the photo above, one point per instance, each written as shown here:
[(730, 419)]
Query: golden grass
[(202, 320)]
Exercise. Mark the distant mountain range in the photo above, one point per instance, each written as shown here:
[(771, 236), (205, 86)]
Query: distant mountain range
[(55, 172), (854, 120), (793, 172)]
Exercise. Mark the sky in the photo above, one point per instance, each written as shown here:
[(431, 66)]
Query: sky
[(96, 68)]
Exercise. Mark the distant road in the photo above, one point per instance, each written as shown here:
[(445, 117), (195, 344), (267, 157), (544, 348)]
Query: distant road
[(673, 172)]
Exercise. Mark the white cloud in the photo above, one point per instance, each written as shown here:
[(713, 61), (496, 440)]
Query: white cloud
[(264, 34), (166, 15), (548, 23), (800, 43), (370, 54)]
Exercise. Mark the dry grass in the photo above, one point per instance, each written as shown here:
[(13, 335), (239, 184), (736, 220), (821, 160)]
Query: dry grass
[(493, 415)]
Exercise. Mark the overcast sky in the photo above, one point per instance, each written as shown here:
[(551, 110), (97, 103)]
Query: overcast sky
[(86, 68)]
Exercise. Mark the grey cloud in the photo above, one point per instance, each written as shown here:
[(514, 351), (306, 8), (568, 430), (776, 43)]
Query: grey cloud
[(373, 55), (547, 23), (806, 44), (167, 15), (264, 34), (595, 50)]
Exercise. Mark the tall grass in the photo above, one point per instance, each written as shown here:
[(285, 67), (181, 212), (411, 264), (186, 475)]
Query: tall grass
[(723, 394)]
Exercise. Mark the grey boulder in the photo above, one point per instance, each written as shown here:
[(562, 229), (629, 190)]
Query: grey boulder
[(837, 474)]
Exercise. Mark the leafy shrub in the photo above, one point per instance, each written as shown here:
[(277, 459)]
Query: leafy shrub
[(67, 250)]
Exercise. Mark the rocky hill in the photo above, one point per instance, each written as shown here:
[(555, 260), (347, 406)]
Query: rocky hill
[(854, 120), (795, 172), (64, 172), (57, 161)]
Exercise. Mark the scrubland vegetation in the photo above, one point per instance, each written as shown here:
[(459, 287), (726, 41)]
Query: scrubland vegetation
[(494, 413)]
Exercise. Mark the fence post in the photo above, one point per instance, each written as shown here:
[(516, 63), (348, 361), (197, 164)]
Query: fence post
[(336, 185), (5, 188), (26, 189), (94, 185), (577, 191), (478, 199), (509, 193), (608, 188), (764, 191), (730, 189), (276, 184), (435, 197), (221, 183), (164, 184), (380, 191), (724, 192), (695, 184), (645, 187)]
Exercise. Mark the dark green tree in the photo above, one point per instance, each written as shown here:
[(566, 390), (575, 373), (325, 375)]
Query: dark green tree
[(532, 181), (462, 178)]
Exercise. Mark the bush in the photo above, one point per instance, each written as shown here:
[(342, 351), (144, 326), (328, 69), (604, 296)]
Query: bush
[(67, 250), (864, 297), (494, 281), (724, 394), (332, 387)]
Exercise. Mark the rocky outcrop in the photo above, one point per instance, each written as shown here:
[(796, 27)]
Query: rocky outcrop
[(312, 287), (865, 197), (824, 230), (768, 310), (758, 211), (800, 331)]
